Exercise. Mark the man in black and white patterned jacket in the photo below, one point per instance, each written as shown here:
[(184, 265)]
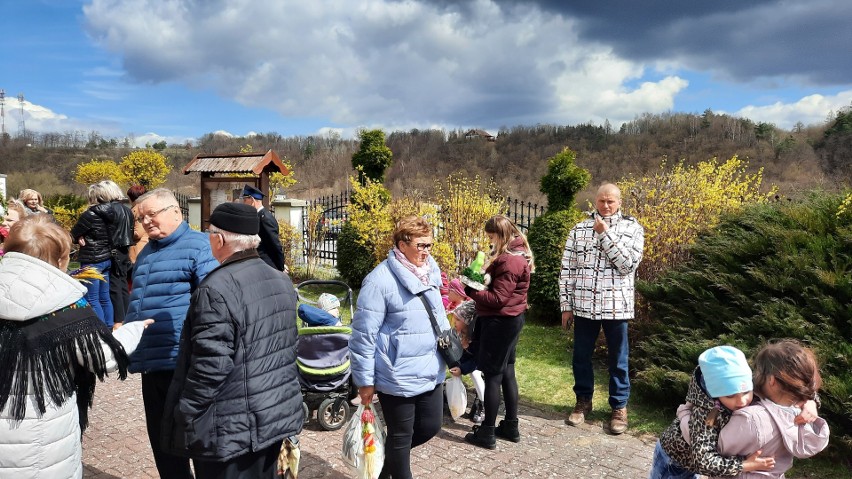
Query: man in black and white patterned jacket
[(596, 291)]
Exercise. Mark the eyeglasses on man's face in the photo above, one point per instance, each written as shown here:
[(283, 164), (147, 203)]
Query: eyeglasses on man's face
[(214, 232), (151, 216)]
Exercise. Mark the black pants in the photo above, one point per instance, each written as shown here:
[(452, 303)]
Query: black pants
[(411, 422), (496, 359), (154, 388), (262, 464), (119, 296)]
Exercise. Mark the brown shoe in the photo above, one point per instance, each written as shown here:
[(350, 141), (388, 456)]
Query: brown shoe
[(618, 421), (581, 410)]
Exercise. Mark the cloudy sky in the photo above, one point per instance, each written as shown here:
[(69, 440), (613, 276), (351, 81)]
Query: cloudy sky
[(176, 69)]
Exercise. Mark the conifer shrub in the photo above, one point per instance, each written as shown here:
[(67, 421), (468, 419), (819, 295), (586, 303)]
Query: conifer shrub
[(779, 270), (354, 260), (547, 237), (548, 233)]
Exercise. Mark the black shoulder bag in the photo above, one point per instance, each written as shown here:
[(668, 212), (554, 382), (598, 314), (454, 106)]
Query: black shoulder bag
[(449, 343)]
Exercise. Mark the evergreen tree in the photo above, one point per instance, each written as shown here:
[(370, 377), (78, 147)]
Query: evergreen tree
[(373, 157), (547, 235), (778, 270)]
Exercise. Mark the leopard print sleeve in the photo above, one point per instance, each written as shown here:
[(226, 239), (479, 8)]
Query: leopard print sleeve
[(705, 457)]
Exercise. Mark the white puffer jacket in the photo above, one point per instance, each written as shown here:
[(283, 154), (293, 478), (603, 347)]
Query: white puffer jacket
[(47, 446)]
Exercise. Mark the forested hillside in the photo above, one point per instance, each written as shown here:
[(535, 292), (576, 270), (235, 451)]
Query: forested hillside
[(803, 158)]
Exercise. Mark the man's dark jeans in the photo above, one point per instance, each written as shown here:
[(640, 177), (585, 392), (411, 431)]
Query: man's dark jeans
[(586, 333)]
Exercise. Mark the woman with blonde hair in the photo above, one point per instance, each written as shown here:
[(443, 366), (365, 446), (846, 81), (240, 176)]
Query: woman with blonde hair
[(52, 347), (120, 226), (92, 233), (33, 202), (500, 309), (393, 345)]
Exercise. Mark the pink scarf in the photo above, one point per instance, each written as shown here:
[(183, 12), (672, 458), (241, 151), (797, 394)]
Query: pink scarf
[(421, 272)]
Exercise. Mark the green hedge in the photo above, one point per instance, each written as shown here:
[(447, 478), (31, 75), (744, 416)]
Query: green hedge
[(780, 270), (547, 238), (354, 261)]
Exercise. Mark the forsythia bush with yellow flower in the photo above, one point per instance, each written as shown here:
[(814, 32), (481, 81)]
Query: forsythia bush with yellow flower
[(291, 239), (148, 168), (67, 217), (465, 204), (462, 208), (96, 170), (845, 207), (678, 203)]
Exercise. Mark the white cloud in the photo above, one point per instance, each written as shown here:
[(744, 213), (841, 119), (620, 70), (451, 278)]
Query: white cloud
[(381, 62), (150, 138), (809, 110), (36, 117)]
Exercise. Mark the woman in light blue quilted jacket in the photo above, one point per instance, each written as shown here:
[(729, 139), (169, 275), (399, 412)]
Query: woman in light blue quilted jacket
[(393, 346)]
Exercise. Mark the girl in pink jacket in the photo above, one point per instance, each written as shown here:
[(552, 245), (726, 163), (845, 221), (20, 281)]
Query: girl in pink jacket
[(786, 376)]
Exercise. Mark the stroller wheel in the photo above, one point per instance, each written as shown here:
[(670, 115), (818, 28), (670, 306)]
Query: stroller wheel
[(332, 413), (307, 411)]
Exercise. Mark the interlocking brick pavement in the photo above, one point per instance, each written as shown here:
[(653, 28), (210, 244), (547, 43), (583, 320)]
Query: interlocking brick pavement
[(116, 446)]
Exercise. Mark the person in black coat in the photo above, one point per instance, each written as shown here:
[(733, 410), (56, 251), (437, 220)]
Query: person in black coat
[(235, 395), (269, 249), (92, 234), (120, 228)]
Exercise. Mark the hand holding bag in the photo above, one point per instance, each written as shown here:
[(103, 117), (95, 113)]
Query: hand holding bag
[(364, 443), (449, 343)]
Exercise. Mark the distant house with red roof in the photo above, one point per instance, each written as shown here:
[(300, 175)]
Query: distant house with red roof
[(471, 134)]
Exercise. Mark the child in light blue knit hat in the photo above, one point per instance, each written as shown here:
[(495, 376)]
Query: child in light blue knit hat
[(721, 384)]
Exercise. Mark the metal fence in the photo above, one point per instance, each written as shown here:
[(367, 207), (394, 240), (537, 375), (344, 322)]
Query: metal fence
[(183, 202), (523, 214), (335, 214)]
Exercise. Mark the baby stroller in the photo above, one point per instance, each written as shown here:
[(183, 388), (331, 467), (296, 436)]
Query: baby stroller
[(322, 356)]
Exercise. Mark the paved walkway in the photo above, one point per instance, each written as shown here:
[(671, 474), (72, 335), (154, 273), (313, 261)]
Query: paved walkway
[(116, 446)]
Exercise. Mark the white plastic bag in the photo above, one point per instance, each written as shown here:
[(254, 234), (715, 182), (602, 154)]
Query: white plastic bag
[(456, 396), (364, 430)]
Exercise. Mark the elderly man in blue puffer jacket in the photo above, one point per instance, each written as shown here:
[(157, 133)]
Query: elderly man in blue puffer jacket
[(167, 271)]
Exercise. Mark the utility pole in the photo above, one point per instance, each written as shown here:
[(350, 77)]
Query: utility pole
[(22, 125), (3, 111)]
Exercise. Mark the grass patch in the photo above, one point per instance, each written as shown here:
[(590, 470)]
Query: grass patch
[(545, 380)]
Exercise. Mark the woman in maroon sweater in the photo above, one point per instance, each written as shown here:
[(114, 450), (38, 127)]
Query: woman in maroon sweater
[(500, 309)]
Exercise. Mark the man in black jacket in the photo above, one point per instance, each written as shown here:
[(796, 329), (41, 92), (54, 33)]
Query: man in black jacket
[(235, 395), (270, 245)]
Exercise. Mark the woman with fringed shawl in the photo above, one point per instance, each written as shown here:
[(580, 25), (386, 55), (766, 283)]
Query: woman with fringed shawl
[(52, 347)]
